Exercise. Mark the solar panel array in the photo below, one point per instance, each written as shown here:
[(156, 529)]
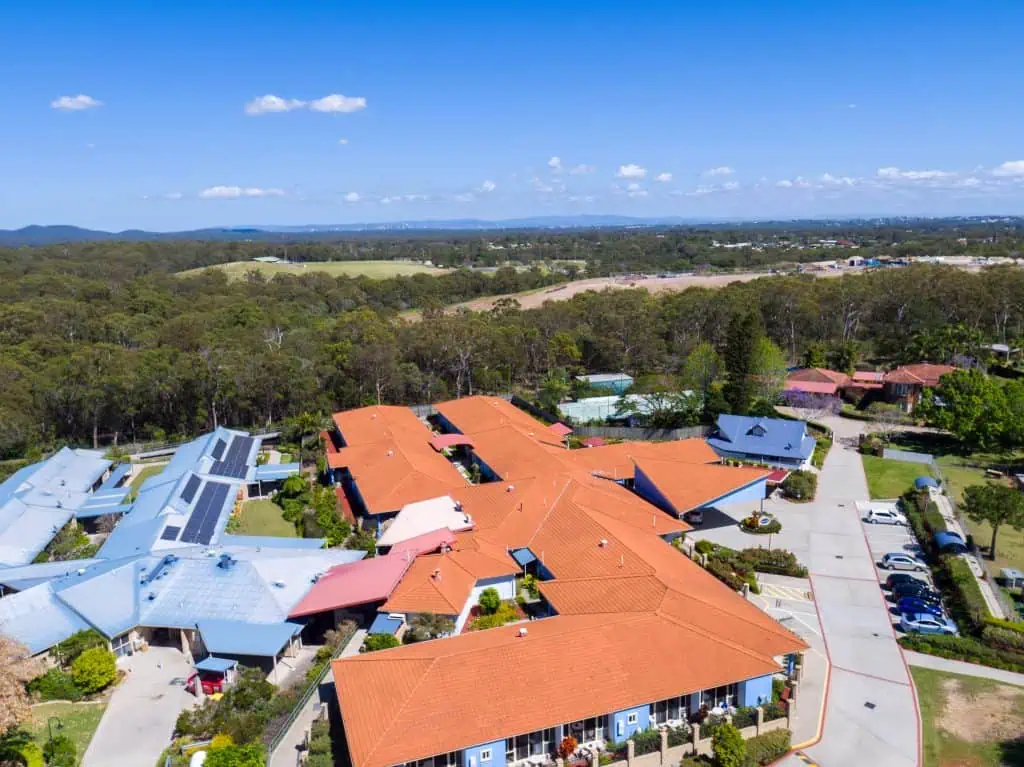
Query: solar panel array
[(170, 533), (190, 489), (203, 520), (218, 449), (235, 462)]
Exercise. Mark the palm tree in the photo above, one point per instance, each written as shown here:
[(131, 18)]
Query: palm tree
[(308, 424)]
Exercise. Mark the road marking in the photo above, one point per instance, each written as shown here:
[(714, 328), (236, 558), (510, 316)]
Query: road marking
[(791, 593), (806, 759)]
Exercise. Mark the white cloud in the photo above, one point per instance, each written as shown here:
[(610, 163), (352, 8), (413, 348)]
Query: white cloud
[(464, 197), (721, 170), (730, 186), (631, 171), (391, 199), (895, 174), (343, 141), (541, 186), (487, 186), (581, 169), (700, 191), (555, 163), (830, 180), (969, 182), (784, 183), (173, 196), (1009, 168), (352, 197), (338, 103), (664, 178), (580, 198), (635, 190), (269, 104), (75, 103), (234, 192), (417, 197)]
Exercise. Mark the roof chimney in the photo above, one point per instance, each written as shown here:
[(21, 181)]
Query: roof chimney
[(522, 632), (603, 542)]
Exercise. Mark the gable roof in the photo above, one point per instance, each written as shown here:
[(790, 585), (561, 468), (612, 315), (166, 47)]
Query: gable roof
[(442, 583), (700, 485), (923, 374), (768, 437), (356, 583)]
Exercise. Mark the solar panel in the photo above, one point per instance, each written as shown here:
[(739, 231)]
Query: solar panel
[(170, 533), (203, 520), (190, 489), (234, 463), (218, 449)]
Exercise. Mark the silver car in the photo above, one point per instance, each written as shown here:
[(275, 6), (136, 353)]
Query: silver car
[(900, 561)]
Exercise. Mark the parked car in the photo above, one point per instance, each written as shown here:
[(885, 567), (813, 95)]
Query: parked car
[(895, 578), (918, 589), (694, 517), (900, 561), (211, 681), (916, 604), (922, 623), (884, 517)]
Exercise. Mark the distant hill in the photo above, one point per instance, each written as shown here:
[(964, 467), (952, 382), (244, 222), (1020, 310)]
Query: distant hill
[(50, 235)]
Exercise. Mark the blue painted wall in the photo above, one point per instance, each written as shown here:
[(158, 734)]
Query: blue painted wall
[(755, 691), (622, 729), (471, 756), (446, 426), (487, 474), (643, 485), (750, 493)]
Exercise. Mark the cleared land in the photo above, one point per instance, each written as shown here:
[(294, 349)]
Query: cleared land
[(969, 721), (236, 270), (263, 517), (78, 721), (891, 479)]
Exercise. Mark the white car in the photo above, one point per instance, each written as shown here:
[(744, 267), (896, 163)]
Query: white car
[(885, 517), (900, 561)]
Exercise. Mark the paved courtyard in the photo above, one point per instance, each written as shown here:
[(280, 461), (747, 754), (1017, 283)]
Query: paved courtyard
[(138, 723)]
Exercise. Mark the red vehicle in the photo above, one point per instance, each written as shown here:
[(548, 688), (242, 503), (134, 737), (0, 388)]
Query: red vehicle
[(213, 682)]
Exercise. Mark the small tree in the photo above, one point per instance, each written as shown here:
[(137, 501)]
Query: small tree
[(250, 755), (374, 642), (995, 505), (490, 601), (94, 670), (567, 747), (60, 752), (728, 746), (16, 668)]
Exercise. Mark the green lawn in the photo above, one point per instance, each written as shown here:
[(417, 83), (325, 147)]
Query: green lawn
[(78, 721), (236, 270), (969, 721), (142, 476), (891, 479), (263, 517)]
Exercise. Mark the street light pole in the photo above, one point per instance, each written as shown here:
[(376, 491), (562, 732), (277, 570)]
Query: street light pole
[(49, 725)]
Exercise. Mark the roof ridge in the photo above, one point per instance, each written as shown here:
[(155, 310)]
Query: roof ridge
[(781, 632), (540, 523), (704, 633)]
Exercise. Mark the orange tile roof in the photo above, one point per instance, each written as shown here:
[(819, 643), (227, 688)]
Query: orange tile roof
[(617, 461), (365, 425), (819, 375), (699, 485), (924, 373), (472, 415), (441, 583)]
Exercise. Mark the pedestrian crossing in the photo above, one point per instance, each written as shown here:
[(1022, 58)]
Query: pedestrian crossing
[(776, 591)]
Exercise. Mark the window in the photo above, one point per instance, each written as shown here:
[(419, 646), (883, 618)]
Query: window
[(485, 755), (631, 718), (720, 697)]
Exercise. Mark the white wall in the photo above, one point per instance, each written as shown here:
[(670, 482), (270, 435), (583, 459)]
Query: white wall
[(506, 586)]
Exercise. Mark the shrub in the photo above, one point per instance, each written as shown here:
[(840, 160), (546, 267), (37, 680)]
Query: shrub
[(506, 614), (704, 547), (76, 644), (724, 572), (710, 726), (774, 710), (968, 605), (375, 642), (490, 600), (965, 649), (60, 752), (32, 755), (778, 685), (744, 717), (567, 747), (55, 685), (778, 561), (821, 449), (678, 736), (249, 755), (728, 747), (800, 485), (319, 760), (1003, 639), (646, 741), (94, 670), (752, 524), (320, 737), (766, 748)]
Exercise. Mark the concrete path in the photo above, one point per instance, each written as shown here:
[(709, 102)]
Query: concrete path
[(139, 720), (286, 753), (871, 709), (959, 667)]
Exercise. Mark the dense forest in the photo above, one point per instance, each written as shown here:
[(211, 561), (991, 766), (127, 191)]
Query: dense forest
[(103, 341)]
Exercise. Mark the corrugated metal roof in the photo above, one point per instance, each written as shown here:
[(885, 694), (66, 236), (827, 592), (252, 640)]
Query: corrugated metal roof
[(37, 619), (240, 638), (768, 437), (273, 471)]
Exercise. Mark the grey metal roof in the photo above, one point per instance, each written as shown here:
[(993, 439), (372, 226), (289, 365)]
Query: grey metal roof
[(272, 471), (235, 638), (218, 665), (37, 619)]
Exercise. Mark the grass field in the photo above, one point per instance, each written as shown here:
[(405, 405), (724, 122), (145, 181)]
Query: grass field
[(263, 517), (78, 721), (142, 476), (236, 270), (888, 478), (967, 721)]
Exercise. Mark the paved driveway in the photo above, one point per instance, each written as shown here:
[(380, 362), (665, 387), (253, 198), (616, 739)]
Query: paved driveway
[(138, 723)]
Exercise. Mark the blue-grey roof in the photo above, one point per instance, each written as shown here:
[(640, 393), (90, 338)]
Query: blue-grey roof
[(37, 619), (26, 576), (273, 471), (216, 665), (947, 539), (239, 638), (271, 542), (923, 482), (117, 474), (763, 437), (385, 624)]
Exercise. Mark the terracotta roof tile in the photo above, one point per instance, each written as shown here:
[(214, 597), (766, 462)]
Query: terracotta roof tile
[(699, 485), (617, 461), (441, 583), (924, 373)]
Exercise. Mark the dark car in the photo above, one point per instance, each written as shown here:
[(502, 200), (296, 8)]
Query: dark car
[(916, 604), (895, 578), (916, 589)]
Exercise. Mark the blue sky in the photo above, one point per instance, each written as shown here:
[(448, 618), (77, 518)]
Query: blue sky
[(123, 115)]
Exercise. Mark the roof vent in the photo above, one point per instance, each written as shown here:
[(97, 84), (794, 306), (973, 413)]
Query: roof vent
[(81, 571), (279, 584), (510, 488), (522, 632), (436, 574), (151, 596), (603, 542), (390, 453)]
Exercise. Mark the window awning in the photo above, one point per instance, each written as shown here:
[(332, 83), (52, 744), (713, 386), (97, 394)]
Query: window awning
[(441, 441)]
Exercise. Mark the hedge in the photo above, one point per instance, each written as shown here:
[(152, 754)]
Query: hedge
[(778, 561), (800, 485), (1016, 626), (969, 607), (765, 749), (965, 649), (55, 685), (1004, 639)]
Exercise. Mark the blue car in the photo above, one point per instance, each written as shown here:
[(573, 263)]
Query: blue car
[(923, 623), (915, 604)]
